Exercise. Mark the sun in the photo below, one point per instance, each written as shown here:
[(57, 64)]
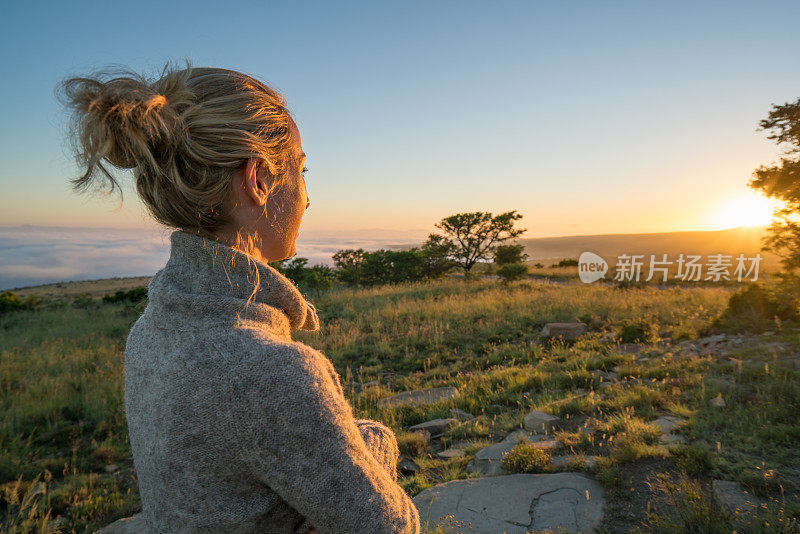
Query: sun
[(746, 209)]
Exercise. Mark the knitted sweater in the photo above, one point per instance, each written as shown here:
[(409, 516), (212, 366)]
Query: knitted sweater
[(234, 427)]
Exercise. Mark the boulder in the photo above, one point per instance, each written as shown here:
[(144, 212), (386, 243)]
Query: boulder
[(515, 504), (420, 397), (630, 348), (541, 422), (129, 525), (461, 415), (435, 426), (666, 424), (407, 466), (487, 461), (718, 401), (565, 331)]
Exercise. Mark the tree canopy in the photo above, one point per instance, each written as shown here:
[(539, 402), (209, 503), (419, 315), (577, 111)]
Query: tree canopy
[(472, 237), (782, 181)]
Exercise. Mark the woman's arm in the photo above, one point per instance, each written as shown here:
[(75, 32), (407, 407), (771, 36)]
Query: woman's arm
[(307, 447), (381, 443)]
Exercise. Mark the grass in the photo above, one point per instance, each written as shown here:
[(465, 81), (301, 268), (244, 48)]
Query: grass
[(65, 464)]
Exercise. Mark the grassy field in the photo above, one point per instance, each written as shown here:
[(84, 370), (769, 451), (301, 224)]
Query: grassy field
[(65, 464)]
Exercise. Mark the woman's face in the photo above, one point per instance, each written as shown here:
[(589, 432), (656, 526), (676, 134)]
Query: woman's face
[(274, 216), (285, 207)]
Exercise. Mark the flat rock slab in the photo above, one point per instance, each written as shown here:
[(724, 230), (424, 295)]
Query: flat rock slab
[(667, 424), (436, 426), (565, 331), (542, 422), (514, 504), (129, 525), (419, 397), (487, 461)]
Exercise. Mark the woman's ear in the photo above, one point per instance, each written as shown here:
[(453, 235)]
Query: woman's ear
[(255, 181)]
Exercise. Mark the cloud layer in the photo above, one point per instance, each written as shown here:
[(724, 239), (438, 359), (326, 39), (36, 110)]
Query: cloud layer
[(32, 255)]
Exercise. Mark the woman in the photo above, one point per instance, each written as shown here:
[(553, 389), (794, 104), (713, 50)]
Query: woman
[(233, 426)]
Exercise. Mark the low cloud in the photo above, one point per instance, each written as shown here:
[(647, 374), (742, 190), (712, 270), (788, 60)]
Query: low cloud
[(32, 255)]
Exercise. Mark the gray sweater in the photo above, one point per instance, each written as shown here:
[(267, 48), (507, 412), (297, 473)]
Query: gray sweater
[(234, 427)]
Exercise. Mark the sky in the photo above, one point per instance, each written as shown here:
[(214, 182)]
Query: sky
[(585, 117)]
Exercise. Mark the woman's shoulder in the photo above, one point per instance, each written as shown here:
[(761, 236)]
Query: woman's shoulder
[(252, 348)]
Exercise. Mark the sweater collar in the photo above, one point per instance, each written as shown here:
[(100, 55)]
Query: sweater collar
[(211, 277)]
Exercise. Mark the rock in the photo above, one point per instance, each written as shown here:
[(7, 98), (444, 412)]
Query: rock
[(39, 489), (515, 504), (608, 337), (420, 397), (407, 466), (540, 441), (451, 453), (611, 375), (129, 525), (461, 415), (425, 435), (112, 468), (435, 426), (541, 422), (671, 439), (711, 340), (630, 348), (565, 331), (666, 424), (732, 498), (718, 401), (487, 461)]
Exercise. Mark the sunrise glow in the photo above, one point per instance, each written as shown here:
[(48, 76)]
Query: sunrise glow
[(747, 209)]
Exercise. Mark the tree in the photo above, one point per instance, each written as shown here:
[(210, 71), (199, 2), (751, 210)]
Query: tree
[(348, 264), (436, 254), (472, 237), (507, 254), (318, 278), (782, 181)]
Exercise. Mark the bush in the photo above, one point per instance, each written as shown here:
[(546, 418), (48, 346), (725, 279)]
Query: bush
[(84, 300), (318, 278), (525, 458), (509, 254), (357, 267), (570, 262), (638, 331), (135, 295), (512, 271), (10, 301), (756, 309)]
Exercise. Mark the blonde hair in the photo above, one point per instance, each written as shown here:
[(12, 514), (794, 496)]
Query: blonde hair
[(184, 135)]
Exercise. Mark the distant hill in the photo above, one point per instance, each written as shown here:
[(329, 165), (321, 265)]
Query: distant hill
[(746, 240)]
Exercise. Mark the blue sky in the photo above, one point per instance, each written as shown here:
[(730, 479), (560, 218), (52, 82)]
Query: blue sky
[(585, 117)]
